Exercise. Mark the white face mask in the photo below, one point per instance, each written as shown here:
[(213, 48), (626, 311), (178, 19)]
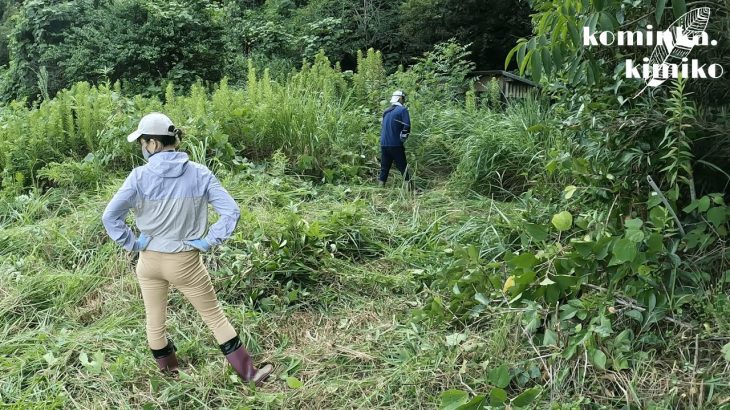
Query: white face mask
[(146, 154)]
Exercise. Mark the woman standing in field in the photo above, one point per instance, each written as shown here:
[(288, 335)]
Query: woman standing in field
[(170, 195)]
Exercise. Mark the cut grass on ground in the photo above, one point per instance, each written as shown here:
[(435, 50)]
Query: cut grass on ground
[(319, 279)]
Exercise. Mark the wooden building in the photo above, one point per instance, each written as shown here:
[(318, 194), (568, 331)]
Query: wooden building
[(511, 86)]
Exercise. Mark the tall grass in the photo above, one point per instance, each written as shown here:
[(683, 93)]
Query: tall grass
[(325, 122), (488, 152), (502, 154)]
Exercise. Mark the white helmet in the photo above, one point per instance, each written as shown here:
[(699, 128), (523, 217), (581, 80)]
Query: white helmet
[(153, 124)]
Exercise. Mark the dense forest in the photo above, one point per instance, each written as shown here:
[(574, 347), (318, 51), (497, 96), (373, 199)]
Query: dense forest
[(564, 250), (47, 46)]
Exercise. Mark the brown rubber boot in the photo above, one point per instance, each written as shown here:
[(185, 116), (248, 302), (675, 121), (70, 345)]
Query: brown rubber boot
[(166, 359), (242, 363)]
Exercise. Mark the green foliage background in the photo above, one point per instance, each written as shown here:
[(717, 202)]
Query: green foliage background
[(52, 45), (569, 249)]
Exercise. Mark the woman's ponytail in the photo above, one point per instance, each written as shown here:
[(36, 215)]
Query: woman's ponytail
[(178, 133)]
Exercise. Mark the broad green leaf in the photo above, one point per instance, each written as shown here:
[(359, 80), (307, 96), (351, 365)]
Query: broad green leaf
[(634, 223), (601, 248), (569, 191), (679, 7), (526, 278), (525, 60), (635, 235), (293, 382), (497, 397), (567, 312), (716, 216), (552, 294), (574, 33), (537, 232), (536, 65), (557, 55), (651, 302), (659, 12), (599, 359), (510, 55), (499, 377), (584, 248), (547, 60), (623, 251), (592, 21), (607, 21), (655, 243), (482, 298), (636, 315), (550, 338), (565, 281), (521, 54), (563, 221), (703, 204), (452, 399), (691, 207), (527, 397), (590, 74), (551, 167), (653, 200), (525, 261), (658, 217), (476, 403)]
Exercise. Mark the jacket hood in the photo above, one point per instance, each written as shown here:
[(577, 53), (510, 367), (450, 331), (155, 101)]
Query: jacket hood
[(168, 164)]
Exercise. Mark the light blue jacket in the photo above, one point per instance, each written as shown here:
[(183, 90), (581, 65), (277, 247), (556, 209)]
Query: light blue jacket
[(170, 196)]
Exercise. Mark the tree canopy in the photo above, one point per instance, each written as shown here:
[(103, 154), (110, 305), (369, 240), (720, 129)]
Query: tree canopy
[(53, 44)]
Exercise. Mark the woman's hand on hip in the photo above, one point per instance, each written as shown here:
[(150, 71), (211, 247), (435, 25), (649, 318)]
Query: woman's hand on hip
[(141, 243), (200, 244)]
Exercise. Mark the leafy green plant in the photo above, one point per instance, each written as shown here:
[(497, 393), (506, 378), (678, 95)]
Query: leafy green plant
[(496, 399)]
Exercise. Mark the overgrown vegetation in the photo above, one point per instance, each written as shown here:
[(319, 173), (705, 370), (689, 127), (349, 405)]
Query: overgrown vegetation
[(50, 45), (568, 250)]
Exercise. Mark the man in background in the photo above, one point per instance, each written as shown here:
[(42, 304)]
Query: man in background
[(394, 132)]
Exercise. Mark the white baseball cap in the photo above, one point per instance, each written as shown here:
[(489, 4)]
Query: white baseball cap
[(396, 96), (153, 124)]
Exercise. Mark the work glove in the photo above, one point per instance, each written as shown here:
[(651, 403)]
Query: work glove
[(141, 243), (403, 136), (200, 244)]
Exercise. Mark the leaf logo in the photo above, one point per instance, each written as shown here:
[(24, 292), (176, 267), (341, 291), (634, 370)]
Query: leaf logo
[(687, 27)]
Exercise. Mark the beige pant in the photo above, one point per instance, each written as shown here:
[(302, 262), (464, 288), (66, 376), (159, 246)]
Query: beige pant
[(186, 272)]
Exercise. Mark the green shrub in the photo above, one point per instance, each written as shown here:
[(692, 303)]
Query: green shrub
[(71, 174)]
